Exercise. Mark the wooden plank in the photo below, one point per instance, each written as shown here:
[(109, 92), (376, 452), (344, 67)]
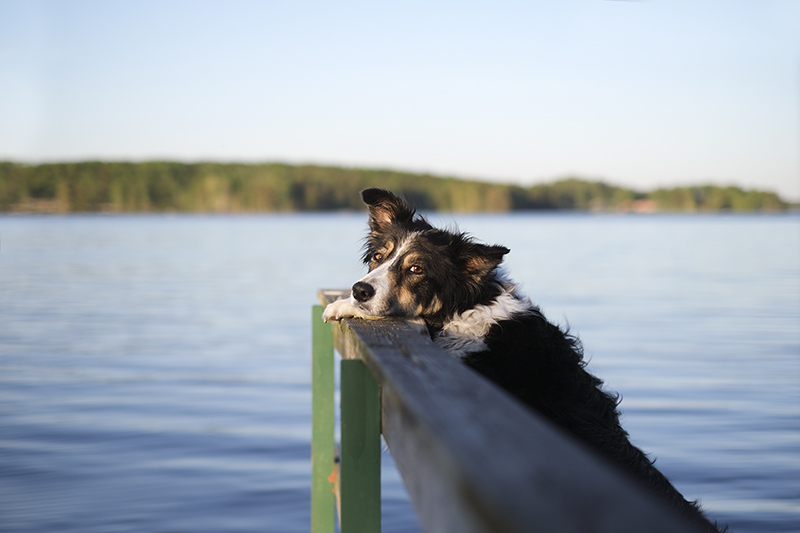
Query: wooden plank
[(475, 459), (361, 449), (322, 424)]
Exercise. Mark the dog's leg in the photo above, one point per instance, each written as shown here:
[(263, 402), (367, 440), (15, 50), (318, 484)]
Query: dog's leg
[(343, 309)]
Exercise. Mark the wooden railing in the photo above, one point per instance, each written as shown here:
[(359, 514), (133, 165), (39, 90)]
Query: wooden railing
[(473, 458)]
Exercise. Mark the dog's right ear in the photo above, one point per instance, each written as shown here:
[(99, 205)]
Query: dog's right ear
[(386, 209)]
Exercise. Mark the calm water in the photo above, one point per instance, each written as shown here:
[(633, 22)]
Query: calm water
[(155, 376)]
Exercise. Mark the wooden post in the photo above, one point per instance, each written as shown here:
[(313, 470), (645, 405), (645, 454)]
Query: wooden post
[(361, 449), (322, 421)]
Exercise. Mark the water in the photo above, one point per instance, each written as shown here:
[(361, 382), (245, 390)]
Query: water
[(155, 376)]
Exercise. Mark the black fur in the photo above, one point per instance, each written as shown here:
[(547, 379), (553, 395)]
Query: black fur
[(543, 366), (531, 358)]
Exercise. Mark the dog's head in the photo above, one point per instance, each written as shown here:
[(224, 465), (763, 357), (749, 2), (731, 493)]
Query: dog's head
[(416, 270)]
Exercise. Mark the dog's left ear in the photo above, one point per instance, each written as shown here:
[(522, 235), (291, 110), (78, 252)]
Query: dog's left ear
[(482, 259), (386, 209)]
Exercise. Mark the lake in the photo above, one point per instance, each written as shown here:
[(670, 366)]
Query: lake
[(155, 369)]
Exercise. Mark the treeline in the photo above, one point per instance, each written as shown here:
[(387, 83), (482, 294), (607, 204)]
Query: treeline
[(229, 187)]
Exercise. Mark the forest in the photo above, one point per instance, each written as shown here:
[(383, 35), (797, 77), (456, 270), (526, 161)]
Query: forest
[(207, 187)]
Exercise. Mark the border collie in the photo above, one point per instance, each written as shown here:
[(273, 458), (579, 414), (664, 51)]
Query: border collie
[(476, 314)]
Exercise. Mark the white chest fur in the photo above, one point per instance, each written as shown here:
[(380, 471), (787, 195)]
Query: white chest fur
[(465, 333)]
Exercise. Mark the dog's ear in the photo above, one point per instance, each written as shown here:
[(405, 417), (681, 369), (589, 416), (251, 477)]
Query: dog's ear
[(386, 209), (482, 259)]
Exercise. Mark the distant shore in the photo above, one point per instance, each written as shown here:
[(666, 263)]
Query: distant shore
[(164, 186)]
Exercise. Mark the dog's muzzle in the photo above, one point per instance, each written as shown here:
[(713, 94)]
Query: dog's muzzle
[(363, 291)]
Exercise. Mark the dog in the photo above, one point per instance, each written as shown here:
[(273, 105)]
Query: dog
[(475, 313)]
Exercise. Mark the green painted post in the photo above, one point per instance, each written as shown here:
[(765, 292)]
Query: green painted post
[(323, 517), (361, 449)]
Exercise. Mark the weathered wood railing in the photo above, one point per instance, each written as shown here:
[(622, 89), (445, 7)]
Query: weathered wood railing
[(472, 458)]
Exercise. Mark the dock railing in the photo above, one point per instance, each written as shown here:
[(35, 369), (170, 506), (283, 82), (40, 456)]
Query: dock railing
[(473, 459)]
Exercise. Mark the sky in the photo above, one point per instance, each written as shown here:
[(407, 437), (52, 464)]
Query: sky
[(643, 94)]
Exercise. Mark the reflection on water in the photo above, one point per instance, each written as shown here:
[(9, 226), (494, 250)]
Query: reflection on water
[(154, 371)]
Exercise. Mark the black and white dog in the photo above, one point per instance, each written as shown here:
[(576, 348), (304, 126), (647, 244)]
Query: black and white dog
[(477, 315)]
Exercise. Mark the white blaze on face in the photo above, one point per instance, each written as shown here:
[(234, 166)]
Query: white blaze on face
[(381, 280)]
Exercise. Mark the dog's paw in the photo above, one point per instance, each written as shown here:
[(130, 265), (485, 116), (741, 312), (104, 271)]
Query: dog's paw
[(338, 310)]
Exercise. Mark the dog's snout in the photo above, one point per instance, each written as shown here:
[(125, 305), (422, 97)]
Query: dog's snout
[(363, 291)]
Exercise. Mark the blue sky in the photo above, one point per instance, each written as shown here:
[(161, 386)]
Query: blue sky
[(643, 94)]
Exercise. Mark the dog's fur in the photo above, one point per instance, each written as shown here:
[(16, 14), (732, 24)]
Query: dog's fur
[(477, 315)]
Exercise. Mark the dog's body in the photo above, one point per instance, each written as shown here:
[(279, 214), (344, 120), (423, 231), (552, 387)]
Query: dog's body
[(476, 314)]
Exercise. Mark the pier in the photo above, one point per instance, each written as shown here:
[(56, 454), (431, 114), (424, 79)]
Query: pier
[(472, 458)]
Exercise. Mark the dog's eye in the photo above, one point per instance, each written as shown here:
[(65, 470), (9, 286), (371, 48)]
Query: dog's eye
[(415, 269), (377, 257)]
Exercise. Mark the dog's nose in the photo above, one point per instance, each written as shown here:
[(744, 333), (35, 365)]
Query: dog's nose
[(363, 291)]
